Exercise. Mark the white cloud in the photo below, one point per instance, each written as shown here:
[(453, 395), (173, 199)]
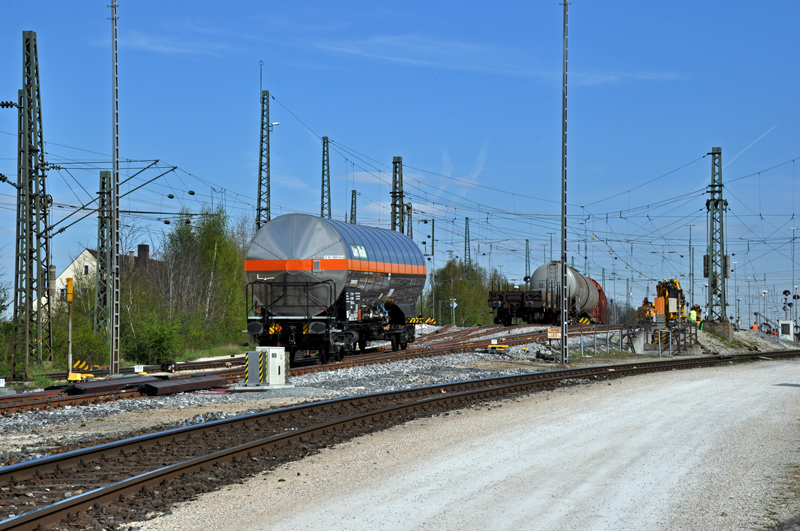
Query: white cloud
[(617, 78), (136, 40), (292, 183), (418, 50), (447, 164), (479, 165)]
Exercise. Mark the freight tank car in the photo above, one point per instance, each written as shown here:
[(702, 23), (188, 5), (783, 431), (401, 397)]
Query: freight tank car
[(315, 284), (540, 302)]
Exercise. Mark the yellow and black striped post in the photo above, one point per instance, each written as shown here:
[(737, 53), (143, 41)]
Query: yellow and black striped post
[(262, 375), (662, 337)]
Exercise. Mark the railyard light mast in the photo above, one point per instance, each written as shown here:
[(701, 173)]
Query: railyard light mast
[(564, 298), (263, 197), (794, 288), (113, 247)]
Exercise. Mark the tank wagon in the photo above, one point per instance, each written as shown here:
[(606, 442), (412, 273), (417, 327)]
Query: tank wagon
[(540, 302), (322, 285)]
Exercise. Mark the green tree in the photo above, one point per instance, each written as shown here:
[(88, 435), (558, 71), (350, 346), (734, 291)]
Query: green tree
[(621, 313), (5, 319), (468, 287), (88, 344), (202, 281), (5, 296)]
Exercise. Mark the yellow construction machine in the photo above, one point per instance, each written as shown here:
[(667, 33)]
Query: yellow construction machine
[(646, 312), (672, 300)]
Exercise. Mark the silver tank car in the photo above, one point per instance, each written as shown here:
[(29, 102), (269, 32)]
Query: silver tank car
[(585, 293), (383, 265)]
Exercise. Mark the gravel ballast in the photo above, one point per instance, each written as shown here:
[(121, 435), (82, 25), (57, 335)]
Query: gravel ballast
[(701, 449), (31, 435)]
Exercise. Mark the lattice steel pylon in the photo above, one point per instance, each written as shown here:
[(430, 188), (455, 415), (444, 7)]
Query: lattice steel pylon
[(527, 260), (325, 202), (262, 205), (717, 261), (353, 208), (467, 257), (32, 309), (104, 223), (407, 221), (397, 194)]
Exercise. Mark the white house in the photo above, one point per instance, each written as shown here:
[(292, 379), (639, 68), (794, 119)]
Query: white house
[(86, 264)]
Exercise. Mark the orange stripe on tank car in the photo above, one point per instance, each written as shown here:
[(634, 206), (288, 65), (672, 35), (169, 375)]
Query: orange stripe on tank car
[(295, 265), (264, 265), (386, 267), (334, 265)]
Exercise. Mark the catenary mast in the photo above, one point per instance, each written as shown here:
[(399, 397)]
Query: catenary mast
[(31, 321)]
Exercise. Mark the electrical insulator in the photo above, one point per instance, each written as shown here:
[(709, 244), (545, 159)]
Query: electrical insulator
[(726, 266), (6, 104), (705, 266)]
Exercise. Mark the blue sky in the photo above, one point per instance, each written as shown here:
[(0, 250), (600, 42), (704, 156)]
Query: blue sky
[(467, 93)]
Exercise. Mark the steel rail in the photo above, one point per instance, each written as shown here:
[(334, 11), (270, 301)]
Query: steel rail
[(46, 403), (435, 337), (409, 400), (38, 466)]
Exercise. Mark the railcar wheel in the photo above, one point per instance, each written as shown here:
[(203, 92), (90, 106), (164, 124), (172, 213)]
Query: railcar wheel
[(395, 344)]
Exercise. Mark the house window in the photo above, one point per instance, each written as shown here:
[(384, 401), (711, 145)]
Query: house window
[(62, 294), (86, 270)]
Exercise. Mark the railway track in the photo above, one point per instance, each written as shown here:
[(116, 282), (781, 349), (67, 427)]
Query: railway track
[(124, 480), (463, 341), (446, 341)]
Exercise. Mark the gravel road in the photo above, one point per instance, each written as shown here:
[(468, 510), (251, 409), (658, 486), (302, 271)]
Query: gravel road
[(702, 449)]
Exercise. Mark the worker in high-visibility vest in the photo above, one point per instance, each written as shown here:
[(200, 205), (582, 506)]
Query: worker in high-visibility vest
[(755, 326)]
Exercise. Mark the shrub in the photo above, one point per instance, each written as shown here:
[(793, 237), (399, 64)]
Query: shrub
[(155, 342)]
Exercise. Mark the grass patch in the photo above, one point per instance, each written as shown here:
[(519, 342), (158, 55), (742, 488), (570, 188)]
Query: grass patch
[(225, 350), (735, 343), (191, 355), (788, 494), (42, 380)]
